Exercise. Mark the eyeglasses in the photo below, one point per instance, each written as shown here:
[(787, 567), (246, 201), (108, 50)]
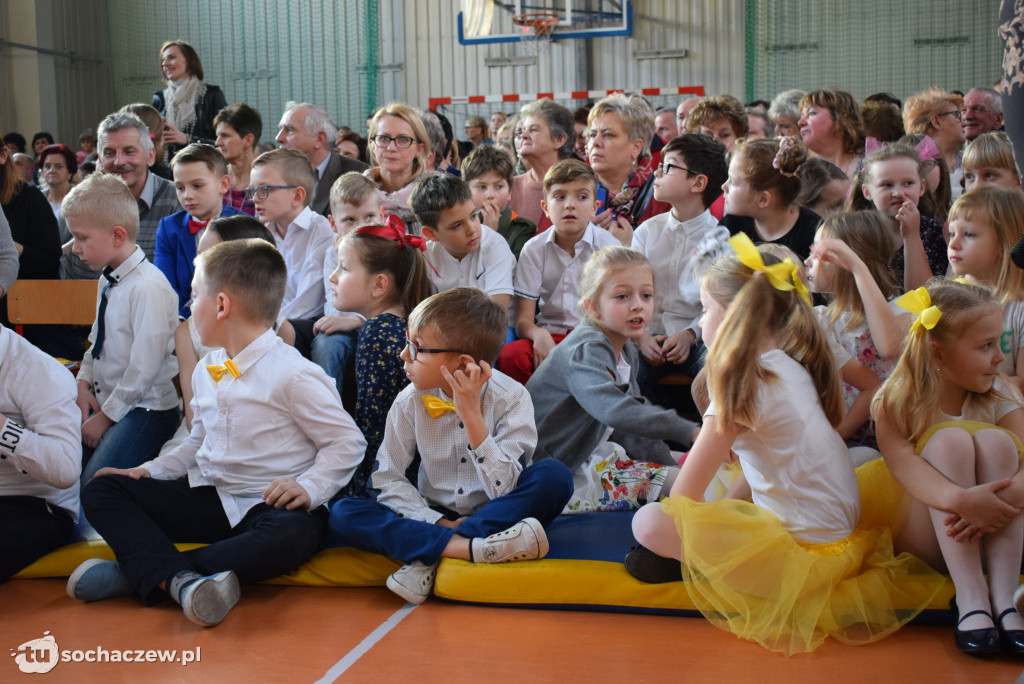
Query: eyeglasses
[(415, 350), (928, 164), (664, 168), (404, 142), (954, 112), (263, 191)]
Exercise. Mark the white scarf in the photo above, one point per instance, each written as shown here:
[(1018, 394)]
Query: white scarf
[(180, 101)]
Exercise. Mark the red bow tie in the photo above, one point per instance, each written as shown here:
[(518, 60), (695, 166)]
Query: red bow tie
[(196, 226)]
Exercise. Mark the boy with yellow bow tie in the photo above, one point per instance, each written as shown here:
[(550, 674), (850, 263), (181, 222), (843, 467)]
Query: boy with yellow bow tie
[(270, 445), (474, 431)]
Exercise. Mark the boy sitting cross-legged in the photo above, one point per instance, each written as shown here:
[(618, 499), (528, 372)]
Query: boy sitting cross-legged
[(478, 498), (270, 444)]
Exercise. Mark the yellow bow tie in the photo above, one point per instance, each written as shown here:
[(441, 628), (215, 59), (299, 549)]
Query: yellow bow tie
[(218, 372), (782, 276), (919, 303), (436, 406)]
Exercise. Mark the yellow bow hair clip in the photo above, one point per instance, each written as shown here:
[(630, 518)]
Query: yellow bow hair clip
[(782, 276), (919, 303)]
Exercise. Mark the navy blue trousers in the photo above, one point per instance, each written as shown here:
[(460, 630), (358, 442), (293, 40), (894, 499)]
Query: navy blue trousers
[(542, 491), (30, 528)]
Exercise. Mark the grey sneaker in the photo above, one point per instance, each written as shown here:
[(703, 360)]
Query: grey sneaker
[(97, 579), (525, 540), (413, 582), (208, 600)]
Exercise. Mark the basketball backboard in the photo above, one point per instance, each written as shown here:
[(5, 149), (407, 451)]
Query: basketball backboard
[(491, 21)]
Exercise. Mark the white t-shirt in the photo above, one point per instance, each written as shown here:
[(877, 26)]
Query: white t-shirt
[(795, 462), (490, 268)]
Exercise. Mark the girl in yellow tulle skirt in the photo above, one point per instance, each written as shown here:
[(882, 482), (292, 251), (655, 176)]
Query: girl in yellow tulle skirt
[(808, 558), (949, 427)]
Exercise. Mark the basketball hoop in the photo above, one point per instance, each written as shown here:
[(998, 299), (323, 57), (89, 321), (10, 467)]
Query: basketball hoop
[(535, 30)]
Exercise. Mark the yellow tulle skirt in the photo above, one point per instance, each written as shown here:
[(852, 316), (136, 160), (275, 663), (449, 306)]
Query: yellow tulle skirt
[(748, 575)]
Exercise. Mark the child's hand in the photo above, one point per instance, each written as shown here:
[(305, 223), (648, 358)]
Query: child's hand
[(466, 386), (543, 343), (835, 252), (490, 214), (677, 347), (328, 325), (445, 522), (909, 219), (93, 429), (650, 349), (980, 511), (621, 230), (287, 493), (134, 473), (87, 403)]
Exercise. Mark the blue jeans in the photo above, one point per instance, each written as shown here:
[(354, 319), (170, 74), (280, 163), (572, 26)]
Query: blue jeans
[(134, 439), (335, 353), (542, 491)]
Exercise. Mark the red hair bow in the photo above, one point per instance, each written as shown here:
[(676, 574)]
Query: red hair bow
[(394, 229)]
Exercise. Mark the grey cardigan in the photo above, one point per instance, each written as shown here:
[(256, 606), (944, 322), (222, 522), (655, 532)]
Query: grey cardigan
[(577, 395)]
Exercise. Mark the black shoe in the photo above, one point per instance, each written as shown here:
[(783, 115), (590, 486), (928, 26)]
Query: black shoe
[(977, 641), (649, 567), (1012, 639)]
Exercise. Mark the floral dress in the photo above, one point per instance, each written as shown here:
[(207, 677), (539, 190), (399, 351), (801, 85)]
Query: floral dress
[(380, 376)]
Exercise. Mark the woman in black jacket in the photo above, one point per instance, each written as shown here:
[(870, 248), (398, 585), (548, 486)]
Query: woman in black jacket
[(187, 104)]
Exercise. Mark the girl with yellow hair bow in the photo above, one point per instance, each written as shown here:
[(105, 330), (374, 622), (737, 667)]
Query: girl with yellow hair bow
[(797, 564), (949, 426)]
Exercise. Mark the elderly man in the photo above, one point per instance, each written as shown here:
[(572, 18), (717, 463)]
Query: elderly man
[(683, 112), (308, 129), (126, 149), (26, 169), (982, 112), (665, 124)]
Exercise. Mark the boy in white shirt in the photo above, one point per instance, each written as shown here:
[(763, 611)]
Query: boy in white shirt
[(677, 243), (461, 251), (281, 188), (475, 475), (40, 453), (547, 283), (128, 404), (270, 444)]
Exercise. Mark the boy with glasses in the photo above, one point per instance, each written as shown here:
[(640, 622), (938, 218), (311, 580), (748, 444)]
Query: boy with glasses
[(690, 178), (477, 497)]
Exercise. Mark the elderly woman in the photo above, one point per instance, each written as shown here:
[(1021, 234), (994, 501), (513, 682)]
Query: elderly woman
[(831, 128), (58, 165), (619, 132), (544, 136), (722, 117), (785, 112), (187, 104), (399, 152), (936, 114)]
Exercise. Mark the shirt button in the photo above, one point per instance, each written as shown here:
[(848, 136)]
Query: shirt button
[(480, 460), (460, 424), (462, 460), (460, 490), (497, 483)]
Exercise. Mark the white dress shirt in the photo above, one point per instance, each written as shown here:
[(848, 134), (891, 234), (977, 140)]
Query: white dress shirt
[(548, 275), (671, 247), (303, 246), (281, 418), (41, 438), (451, 474), (490, 268), (137, 361)]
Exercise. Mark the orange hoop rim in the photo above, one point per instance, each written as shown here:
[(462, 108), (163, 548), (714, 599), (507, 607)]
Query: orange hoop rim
[(542, 23)]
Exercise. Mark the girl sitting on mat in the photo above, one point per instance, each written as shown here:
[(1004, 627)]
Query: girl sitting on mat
[(801, 562), (949, 427)]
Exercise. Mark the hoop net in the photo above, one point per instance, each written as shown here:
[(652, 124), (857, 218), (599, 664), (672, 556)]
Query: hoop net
[(535, 30)]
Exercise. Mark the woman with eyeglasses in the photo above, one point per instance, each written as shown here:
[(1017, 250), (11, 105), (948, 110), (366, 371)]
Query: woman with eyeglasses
[(187, 104), (399, 156), (936, 113)]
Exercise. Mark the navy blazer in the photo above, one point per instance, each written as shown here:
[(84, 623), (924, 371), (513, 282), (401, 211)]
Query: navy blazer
[(176, 254)]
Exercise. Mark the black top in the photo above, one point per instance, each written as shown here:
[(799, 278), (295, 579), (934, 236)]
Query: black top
[(799, 238), (202, 130), (34, 227)]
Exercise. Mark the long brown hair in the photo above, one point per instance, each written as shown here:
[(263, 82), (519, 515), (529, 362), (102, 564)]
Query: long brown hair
[(10, 179)]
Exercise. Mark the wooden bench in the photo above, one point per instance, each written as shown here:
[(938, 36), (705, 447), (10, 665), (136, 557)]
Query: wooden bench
[(54, 302)]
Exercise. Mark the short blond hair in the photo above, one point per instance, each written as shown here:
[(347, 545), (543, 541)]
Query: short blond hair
[(252, 271), (351, 188), (294, 167), (104, 200), (636, 115)]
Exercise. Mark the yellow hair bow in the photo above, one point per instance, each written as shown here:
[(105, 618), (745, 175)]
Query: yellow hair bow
[(962, 280), (782, 276), (437, 406), (229, 368), (919, 302)]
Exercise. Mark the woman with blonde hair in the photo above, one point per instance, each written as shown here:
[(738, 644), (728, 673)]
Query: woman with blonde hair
[(399, 150)]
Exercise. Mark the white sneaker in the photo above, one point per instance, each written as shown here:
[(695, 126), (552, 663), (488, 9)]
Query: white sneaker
[(525, 540), (208, 600), (413, 582)]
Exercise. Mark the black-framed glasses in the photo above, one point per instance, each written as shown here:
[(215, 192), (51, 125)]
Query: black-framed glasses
[(415, 350), (263, 191), (403, 142), (954, 112), (664, 168)]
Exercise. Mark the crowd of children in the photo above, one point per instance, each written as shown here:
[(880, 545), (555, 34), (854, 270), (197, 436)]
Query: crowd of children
[(427, 375)]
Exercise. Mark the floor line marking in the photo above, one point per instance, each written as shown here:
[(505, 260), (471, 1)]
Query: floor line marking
[(366, 644)]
